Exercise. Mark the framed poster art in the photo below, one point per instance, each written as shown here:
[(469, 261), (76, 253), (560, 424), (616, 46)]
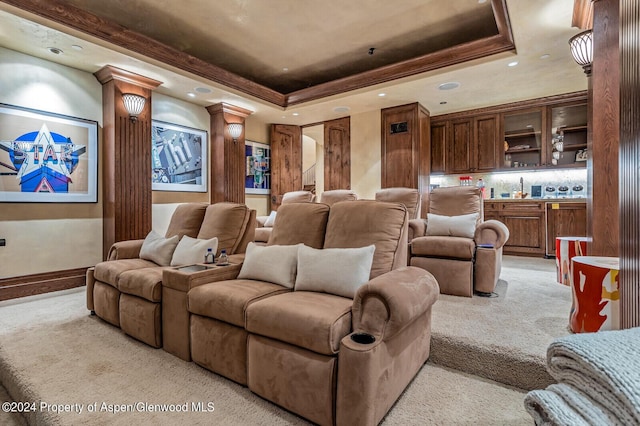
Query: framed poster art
[(178, 158), (47, 157), (258, 168)]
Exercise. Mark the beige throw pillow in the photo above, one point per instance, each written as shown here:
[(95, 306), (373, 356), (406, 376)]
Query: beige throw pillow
[(275, 264), (452, 226), (158, 249), (339, 271), (192, 250)]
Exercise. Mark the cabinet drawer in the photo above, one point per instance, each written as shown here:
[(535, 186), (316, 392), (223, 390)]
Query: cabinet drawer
[(522, 206), (491, 206)]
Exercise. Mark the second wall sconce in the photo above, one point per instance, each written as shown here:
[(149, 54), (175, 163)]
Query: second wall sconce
[(134, 104), (235, 130), (582, 49)]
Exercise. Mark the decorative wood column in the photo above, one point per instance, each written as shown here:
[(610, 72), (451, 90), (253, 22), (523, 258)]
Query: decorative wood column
[(629, 194), (126, 157), (604, 92), (227, 158), (406, 148)]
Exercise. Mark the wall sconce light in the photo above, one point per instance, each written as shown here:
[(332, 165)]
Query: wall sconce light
[(582, 49), (235, 130), (134, 104)]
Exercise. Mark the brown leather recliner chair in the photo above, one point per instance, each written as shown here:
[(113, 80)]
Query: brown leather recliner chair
[(463, 256), (126, 290)]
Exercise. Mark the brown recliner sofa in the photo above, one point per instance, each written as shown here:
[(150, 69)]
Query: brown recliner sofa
[(126, 290), (463, 258), (330, 358)]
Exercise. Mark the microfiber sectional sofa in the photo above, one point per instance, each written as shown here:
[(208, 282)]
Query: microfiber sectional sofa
[(327, 320), (126, 290)]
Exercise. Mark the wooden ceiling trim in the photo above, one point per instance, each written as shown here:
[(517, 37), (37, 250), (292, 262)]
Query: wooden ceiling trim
[(85, 22), (111, 32), (503, 42)]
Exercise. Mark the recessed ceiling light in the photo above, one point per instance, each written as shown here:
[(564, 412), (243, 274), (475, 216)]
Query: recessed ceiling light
[(202, 90), (545, 56), (191, 95), (285, 69), (529, 126), (512, 64), (55, 50), (449, 86), (295, 114), (382, 95), (341, 109), (482, 1), (76, 47)]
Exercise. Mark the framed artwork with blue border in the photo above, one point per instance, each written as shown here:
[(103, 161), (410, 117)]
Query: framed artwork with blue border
[(47, 157), (258, 168), (178, 158)]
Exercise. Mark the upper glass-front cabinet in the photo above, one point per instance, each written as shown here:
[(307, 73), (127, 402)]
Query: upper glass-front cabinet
[(524, 139), (568, 144)]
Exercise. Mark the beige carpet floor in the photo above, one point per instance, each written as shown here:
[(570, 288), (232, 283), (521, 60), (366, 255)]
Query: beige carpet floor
[(51, 351), (505, 338)]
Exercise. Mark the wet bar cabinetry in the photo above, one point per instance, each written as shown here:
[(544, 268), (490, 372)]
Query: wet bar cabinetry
[(540, 133), (535, 224)]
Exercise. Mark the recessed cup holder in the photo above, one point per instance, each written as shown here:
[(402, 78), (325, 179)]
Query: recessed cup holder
[(363, 338)]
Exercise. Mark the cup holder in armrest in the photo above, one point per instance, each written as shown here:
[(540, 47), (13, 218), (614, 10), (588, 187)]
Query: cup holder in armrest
[(363, 338)]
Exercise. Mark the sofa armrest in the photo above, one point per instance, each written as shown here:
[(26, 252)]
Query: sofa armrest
[(390, 302), (417, 228), (125, 250), (184, 281), (491, 232)]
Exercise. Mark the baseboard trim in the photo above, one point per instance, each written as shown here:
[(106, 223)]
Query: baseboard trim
[(29, 285)]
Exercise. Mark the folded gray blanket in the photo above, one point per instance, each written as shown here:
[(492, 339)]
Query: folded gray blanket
[(599, 374)]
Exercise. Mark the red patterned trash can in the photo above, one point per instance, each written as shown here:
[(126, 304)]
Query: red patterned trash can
[(596, 295), (567, 248)]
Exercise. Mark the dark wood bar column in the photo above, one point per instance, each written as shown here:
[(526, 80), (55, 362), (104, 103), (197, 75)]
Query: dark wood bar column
[(629, 163), (603, 211), (126, 157), (227, 159)]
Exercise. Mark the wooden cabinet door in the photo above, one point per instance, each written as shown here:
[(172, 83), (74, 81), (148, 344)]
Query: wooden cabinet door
[(286, 161), (564, 220), (525, 233), (439, 146), (486, 143), (459, 150), (337, 154)]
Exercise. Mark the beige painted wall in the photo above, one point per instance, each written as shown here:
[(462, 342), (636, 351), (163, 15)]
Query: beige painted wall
[(366, 154), (47, 237)]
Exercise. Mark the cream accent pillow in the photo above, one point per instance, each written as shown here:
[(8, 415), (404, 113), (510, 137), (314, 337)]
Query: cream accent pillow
[(275, 264), (452, 226), (270, 220), (339, 271), (192, 250), (158, 249)]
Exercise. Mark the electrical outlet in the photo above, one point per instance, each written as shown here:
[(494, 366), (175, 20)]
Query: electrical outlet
[(3, 242)]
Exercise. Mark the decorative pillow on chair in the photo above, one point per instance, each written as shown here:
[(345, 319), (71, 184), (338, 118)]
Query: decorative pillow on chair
[(192, 250), (275, 264), (270, 220), (452, 226), (339, 271), (158, 249)]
